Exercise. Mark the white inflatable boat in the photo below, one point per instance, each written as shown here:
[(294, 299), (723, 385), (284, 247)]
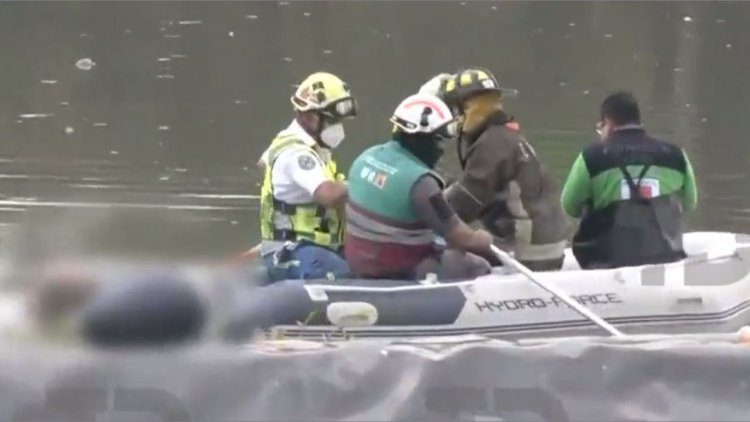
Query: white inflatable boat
[(707, 292)]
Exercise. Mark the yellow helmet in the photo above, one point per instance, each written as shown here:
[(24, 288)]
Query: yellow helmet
[(469, 82), (327, 93)]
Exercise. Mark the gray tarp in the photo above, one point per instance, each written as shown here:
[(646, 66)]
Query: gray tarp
[(575, 379)]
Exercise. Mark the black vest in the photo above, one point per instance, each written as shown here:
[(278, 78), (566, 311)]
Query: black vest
[(635, 231)]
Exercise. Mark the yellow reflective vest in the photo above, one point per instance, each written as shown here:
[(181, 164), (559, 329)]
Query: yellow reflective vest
[(281, 221)]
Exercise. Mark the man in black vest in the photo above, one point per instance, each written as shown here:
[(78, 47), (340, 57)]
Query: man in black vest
[(629, 190)]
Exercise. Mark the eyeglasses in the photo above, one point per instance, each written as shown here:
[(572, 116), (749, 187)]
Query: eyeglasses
[(600, 128)]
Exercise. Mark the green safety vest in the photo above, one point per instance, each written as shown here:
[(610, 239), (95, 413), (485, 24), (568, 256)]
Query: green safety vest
[(381, 178)]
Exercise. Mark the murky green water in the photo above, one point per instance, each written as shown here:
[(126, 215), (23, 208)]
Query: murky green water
[(177, 100)]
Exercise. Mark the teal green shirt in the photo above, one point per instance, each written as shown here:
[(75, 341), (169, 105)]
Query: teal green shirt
[(381, 178)]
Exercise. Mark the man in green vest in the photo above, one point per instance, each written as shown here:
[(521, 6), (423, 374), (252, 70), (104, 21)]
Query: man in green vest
[(303, 193), (396, 206), (630, 191)]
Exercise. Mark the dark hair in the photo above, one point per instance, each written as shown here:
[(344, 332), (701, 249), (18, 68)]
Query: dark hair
[(622, 108)]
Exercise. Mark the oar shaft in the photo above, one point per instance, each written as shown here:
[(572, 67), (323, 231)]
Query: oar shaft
[(246, 256), (508, 260)]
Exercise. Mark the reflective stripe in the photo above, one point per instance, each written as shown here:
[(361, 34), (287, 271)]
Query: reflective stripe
[(526, 251), (515, 204), (366, 227), (281, 221)]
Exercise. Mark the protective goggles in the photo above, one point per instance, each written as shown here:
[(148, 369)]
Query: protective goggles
[(341, 109), (448, 131)]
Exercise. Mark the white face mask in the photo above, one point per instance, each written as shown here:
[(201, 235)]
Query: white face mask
[(332, 135)]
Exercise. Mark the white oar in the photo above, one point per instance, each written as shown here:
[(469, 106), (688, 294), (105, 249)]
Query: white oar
[(510, 261)]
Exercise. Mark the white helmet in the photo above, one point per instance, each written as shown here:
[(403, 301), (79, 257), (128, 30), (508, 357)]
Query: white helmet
[(426, 114), (434, 85)]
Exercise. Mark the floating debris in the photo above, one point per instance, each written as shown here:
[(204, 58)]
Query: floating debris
[(99, 124), (679, 69), (113, 152), (327, 51), (231, 34), (64, 103), (69, 130), (720, 21), (240, 101), (729, 45), (287, 59), (164, 178), (49, 81), (283, 3), (85, 64), (563, 84), (586, 92), (165, 76), (190, 22), (571, 24), (306, 14), (177, 56), (82, 35), (251, 16), (163, 59), (164, 127), (607, 35), (704, 120), (463, 3), (180, 170), (245, 168), (127, 31), (35, 115), (234, 222), (493, 7), (174, 36), (687, 19)]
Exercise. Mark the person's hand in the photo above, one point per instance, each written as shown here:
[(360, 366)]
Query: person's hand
[(483, 239)]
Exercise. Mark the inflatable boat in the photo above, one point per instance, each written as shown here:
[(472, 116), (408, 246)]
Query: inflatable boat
[(707, 292)]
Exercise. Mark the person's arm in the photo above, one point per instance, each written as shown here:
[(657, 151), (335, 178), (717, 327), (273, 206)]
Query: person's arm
[(307, 171), (429, 204), (331, 194), (488, 161), (689, 189), (263, 160), (577, 188)]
